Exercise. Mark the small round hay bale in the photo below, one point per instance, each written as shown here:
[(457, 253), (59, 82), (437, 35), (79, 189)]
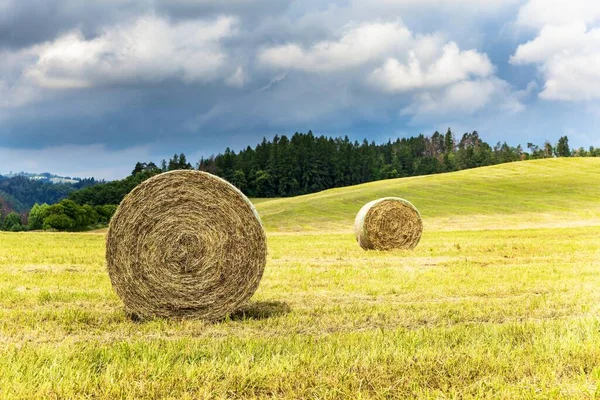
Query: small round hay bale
[(185, 244), (387, 224)]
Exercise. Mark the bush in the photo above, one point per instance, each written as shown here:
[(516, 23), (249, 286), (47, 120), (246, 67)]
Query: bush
[(59, 222), (105, 213), (36, 216), (18, 228), (12, 221), (68, 215)]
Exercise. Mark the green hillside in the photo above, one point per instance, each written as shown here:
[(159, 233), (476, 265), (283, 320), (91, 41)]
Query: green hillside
[(563, 191)]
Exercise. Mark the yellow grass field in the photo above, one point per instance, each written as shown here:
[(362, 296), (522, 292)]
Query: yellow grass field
[(501, 299)]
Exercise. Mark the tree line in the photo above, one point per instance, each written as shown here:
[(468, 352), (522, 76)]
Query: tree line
[(19, 194), (22, 193), (65, 215), (306, 163), (301, 164), (83, 209)]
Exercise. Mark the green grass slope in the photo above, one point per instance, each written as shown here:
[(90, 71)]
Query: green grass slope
[(555, 192)]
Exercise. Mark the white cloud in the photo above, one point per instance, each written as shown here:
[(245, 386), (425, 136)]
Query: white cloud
[(539, 13), (465, 98), (388, 57), (149, 50), (557, 41), (13, 93), (576, 78), (296, 65), (356, 46), (451, 66), (566, 50)]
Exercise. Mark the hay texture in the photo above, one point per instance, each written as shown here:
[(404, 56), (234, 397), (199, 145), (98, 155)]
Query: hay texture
[(185, 244), (387, 224)]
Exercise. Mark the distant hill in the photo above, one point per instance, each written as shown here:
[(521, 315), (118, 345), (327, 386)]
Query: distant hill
[(548, 192), (9, 204), (19, 192), (45, 177)]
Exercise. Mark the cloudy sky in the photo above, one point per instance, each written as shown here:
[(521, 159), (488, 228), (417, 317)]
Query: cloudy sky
[(88, 88)]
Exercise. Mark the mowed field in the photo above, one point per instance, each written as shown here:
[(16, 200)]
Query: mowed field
[(501, 299)]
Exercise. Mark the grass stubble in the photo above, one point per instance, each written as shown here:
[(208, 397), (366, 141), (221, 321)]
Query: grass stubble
[(483, 312)]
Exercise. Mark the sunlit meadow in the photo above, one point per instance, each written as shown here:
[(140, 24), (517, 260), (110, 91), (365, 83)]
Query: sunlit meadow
[(501, 299)]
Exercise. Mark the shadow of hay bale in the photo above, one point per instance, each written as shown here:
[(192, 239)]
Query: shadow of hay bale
[(134, 317), (261, 310), (253, 311)]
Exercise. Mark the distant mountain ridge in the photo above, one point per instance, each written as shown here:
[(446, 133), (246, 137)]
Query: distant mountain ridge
[(43, 177), (20, 191)]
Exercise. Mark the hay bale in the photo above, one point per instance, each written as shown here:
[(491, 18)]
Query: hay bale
[(185, 244), (387, 224)]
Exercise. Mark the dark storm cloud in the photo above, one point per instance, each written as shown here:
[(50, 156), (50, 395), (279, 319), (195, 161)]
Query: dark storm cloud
[(133, 78), (251, 11), (27, 22), (130, 117)]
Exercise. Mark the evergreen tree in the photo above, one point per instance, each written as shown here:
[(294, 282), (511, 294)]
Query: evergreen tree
[(239, 180), (264, 184), (449, 142), (548, 150), (183, 164), (306, 163), (562, 148), (173, 163), (139, 167)]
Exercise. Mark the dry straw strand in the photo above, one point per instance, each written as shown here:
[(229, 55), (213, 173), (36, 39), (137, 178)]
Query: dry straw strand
[(185, 244), (387, 224)]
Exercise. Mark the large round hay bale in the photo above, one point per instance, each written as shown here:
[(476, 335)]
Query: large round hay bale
[(185, 244), (387, 224)]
